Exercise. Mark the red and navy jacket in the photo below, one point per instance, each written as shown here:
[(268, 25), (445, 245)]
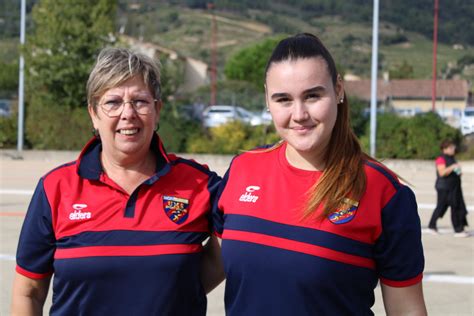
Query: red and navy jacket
[(278, 262), (113, 253)]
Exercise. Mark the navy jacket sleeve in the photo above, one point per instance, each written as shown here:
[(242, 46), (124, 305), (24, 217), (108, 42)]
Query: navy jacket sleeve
[(399, 250), (37, 242)]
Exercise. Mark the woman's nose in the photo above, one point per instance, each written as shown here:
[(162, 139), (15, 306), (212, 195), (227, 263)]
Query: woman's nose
[(300, 111), (129, 109)]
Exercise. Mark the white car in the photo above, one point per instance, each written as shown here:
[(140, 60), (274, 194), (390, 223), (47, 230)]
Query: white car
[(216, 115), (266, 117), (467, 121)]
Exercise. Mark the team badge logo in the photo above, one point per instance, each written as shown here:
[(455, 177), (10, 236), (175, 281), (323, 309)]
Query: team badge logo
[(346, 213), (176, 208)]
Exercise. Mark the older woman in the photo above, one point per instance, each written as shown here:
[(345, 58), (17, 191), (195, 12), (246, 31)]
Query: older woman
[(121, 228), (310, 225)]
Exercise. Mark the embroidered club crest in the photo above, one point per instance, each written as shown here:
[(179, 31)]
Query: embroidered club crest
[(346, 213), (176, 208)]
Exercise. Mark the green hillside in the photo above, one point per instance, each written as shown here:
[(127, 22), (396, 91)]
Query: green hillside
[(344, 25), (188, 31)]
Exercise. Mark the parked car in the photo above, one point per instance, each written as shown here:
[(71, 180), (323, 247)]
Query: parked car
[(266, 117), (467, 121), (216, 115), (191, 112), (5, 107)]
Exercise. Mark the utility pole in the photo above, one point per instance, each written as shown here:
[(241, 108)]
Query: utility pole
[(213, 68), (21, 103), (435, 50), (373, 84)]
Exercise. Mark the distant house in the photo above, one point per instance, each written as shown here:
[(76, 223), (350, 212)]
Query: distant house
[(195, 71), (411, 96)]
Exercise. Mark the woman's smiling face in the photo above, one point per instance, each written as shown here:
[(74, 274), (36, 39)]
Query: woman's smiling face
[(129, 133), (302, 99)]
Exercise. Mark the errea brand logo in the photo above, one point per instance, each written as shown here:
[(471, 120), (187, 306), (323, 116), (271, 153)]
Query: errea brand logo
[(78, 214), (248, 196)]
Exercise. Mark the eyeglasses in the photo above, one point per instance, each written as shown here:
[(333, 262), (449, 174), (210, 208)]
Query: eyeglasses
[(114, 108)]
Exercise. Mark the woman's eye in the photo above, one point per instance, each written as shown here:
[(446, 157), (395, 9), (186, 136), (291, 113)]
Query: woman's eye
[(312, 96), (112, 103), (141, 103)]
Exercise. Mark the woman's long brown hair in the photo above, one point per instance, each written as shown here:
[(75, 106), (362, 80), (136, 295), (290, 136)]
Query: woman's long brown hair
[(344, 175)]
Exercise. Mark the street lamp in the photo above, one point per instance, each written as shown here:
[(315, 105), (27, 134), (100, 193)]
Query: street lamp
[(21, 102)]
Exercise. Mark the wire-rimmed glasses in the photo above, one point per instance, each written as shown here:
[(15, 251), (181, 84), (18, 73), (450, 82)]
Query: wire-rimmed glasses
[(114, 108)]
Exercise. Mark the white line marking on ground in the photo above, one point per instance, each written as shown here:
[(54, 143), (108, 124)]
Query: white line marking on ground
[(426, 206), (6, 257), (456, 279), (465, 193), (16, 192)]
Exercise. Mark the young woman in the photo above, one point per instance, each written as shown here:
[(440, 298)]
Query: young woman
[(310, 225)]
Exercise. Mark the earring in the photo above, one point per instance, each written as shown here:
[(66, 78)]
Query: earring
[(341, 100)]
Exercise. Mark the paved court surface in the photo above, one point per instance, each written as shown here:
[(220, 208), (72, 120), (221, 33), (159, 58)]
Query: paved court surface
[(449, 274)]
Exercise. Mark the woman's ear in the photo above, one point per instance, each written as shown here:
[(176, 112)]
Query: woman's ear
[(92, 115), (158, 107)]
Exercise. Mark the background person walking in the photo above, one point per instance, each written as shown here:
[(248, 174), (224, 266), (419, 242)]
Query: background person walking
[(448, 188)]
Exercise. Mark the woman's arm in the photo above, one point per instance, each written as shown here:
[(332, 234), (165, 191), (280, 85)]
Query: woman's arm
[(407, 301), (444, 171), (28, 295), (212, 270)]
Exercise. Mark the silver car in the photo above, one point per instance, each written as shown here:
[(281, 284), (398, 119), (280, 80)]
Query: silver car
[(216, 115)]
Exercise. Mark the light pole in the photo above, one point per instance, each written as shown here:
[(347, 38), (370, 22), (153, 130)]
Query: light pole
[(213, 98), (373, 85), (21, 102)]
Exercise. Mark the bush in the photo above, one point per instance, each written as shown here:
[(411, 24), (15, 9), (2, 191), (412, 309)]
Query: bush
[(393, 39), (411, 138), (57, 126), (358, 119), (466, 149), (8, 78), (9, 130), (175, 130), (231, 138)]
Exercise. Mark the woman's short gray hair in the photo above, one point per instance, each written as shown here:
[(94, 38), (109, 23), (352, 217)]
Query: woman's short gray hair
[(115, 66)]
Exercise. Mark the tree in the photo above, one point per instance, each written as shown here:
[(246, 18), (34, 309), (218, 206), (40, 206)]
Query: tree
[(8, 78), (59, 55), (357, 116), (403, 71), (249, 63)]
